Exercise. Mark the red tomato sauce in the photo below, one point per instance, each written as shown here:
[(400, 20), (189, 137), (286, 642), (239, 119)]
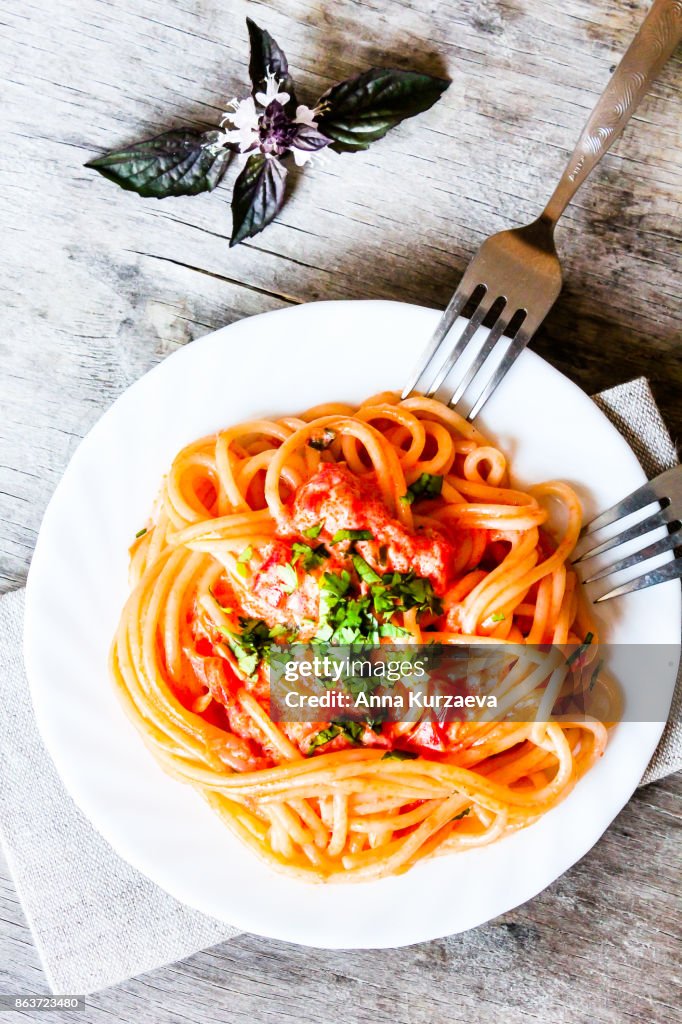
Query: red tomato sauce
[(282, 592), (339, 500)]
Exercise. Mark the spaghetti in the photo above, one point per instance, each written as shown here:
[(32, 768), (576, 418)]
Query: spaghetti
[(393, 519)]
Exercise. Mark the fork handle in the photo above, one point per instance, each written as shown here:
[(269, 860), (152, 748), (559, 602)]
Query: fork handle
[(658, 36)]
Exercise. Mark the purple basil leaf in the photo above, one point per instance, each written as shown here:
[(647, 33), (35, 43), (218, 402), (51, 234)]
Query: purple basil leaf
[(309, 139), (266, 56), (258, 196), (362, 109), (182, 162)]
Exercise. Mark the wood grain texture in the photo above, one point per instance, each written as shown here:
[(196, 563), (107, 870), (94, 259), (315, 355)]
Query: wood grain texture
[(98, 285)]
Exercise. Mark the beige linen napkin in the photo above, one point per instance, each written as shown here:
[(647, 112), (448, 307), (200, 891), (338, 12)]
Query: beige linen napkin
[(95, 920)]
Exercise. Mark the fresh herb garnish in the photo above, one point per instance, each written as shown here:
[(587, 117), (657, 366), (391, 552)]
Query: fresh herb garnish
[(322, 441), (280, 630), (249, 645), (365, 571), (288, 577), (427, 486), (246, 555), (497, 617), (310, 558), (341, 535), (579, 651), (398, 592), (272, 127), (343, 618), (595, 674), (462, 814), (346, 619), (313, 532), (322, 737), (353, 730), (141, 533), (399, 755), (390, 629)]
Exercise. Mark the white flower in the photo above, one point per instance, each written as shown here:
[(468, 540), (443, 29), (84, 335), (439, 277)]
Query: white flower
[(244, 117), (306, 115), (263, 123), (272, 92)]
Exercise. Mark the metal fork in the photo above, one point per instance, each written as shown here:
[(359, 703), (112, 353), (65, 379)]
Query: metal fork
[(519, 270), (666, 491)]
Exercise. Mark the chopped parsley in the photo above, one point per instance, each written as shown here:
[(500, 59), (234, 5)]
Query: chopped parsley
[(322, 441), (462, 814), (246, 556), (287, 576), (248, 646), (579, 651), (351, 535), (322, 737), (353, 730), (313, 532), (595, 674), (310, 558), (365, 571), (398, 592), (497, 617), (141, 533), (390, 629), (399, 755), (427, 486), (280, 630), (252, 644), (349, 619)]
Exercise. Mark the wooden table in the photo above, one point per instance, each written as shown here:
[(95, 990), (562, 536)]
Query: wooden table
[(100, 285)]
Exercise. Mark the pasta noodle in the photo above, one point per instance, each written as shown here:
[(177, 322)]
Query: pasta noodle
[(251, 525)]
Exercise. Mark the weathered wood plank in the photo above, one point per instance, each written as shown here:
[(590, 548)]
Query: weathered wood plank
[(99, 285)]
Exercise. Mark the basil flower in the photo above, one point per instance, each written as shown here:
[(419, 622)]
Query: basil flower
[(269, 126), (262, 122)]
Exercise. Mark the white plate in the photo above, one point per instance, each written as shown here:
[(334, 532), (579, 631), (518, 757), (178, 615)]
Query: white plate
[(272, 364)]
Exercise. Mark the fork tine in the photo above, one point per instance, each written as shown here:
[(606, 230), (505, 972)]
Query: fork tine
[(673, 540), (669, 571), (518, 343), (651, 522), (494, 336), (452, 311), (644, 495), (475, 321)]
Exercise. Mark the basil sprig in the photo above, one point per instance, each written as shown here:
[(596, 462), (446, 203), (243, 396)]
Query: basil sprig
[(257, 197), (271, 128), (182, 162), (361, 110)]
